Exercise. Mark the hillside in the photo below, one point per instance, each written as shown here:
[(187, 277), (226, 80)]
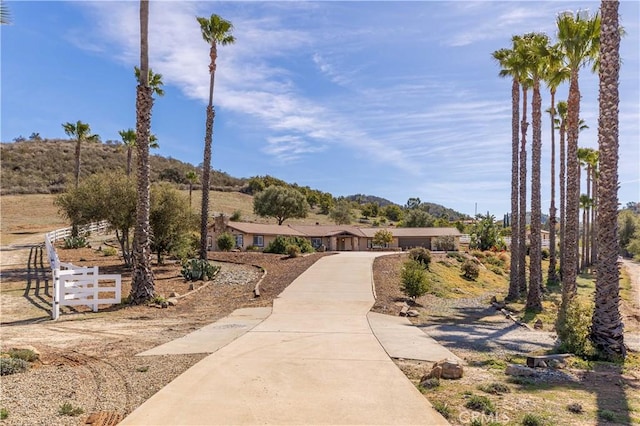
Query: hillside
[(47, 166)]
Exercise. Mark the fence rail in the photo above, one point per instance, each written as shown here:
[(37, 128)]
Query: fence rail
[(466, 239), (60, 234)]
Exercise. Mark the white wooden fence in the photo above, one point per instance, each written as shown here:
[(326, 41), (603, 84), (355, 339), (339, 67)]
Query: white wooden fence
[(74, 285)]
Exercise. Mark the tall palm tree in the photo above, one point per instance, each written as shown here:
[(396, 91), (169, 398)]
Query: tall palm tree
[(561, 126), (537, 51), (585, 204), (555, 73), (606, 327), (142, 283), (81, 132), (215, 31), (154, 81), (578, 37), (129, 141), (512, 66), (595, 175), (520, 45), (192, 178)]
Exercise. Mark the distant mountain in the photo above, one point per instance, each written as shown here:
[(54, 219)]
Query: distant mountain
[(47, 166), (365, 199)]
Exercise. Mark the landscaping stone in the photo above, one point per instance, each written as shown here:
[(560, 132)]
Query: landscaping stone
[(445, 369), (413, 313), (172, 301), (538, 324), (519, 371), (174, 294)]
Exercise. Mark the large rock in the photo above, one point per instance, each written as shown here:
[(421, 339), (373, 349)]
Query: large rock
[(519, 370), (445, 369)]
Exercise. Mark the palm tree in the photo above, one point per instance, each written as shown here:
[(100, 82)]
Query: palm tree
[(578, 37), (606, 327), (192, 178), (520, 45), (588, 158), (537, 45), (155, 81), (142, 285), (80, 132), (129, 140), (585, 204), (215, 30), (512, 66), (554, 74), (561, 125)]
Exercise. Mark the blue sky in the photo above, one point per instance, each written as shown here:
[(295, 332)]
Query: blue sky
[(395, 99)]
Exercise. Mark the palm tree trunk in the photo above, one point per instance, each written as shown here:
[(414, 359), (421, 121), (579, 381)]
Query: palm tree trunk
[(129, 158), (563, 195), (594, 222), (606, 328), (206, 163), (522, 221), (587, 237), (142, 286), (514, 289), (77, 170), (534, 297), (573, 194), (552, 277)]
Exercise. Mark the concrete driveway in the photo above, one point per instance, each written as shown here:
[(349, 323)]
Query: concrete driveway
[(314, 360)]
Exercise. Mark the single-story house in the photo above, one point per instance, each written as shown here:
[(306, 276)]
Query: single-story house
[(331, 237)]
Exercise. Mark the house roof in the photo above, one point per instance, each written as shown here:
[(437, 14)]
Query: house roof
[(333, 230), (327, 230), (264, 228)]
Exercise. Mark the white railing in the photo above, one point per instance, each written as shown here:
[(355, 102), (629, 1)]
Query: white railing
[(60, 234), (74, 285)]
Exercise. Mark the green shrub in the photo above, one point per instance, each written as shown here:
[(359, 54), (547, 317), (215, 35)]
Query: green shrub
[(23, 354), (280, 243), (293, 250), (531, 419), (545, 254), (4, 413), (226, 241), (236, 216), (494, 388), (12, 366), (75, 242), (457, 256), (67, 409), (481, 404), (442, 408), (414, 279), (575, 408), (496, 270), (422, 255), (494, 260), (198, 270), (573, 328), (445, 243), (607, 415), (110, 251), (470, 269)]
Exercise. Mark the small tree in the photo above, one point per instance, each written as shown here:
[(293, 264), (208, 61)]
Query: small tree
[(226, 241), (281, 203), (414, 279), (341, 213), (392, 212), (416, 218), (370, 210), (382, 238), (171, 220), (485, 234)]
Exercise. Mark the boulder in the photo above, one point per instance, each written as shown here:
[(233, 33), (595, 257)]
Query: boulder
[(174, 294), (518, 370), (172, 301), (538, 324), (413, 313), (445, 369)]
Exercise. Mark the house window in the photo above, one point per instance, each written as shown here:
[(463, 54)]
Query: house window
[(316, 242), (239, 240), (258, 240)]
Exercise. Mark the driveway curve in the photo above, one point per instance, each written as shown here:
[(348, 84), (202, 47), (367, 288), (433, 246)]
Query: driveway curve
[(314, 360)]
